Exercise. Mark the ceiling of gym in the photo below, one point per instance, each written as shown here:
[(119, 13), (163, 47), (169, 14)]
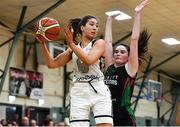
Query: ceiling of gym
[(160, 17)]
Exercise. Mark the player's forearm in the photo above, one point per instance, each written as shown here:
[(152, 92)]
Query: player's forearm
[(46, 55), (80, 54), (108, 39), (136, 27), (133, 55), (108, 30)]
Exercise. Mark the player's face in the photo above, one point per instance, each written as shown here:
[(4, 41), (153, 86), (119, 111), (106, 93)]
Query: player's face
[(120, 55), (91, 28)]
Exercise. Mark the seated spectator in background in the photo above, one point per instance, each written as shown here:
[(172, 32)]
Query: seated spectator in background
[(25, 121), (3, 122), (61, 124), (50, 123), (33, 123), (14, 123)]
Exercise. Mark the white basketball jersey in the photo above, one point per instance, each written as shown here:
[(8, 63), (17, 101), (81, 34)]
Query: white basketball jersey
[(81, 70)]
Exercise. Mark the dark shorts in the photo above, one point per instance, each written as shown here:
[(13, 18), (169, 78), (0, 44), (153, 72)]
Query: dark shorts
[(121, 116)]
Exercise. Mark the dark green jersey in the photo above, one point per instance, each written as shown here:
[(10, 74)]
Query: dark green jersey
[(121, 86)]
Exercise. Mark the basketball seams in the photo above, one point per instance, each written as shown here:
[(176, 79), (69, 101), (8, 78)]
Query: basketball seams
[(47, 29), (46, 20), (45, 37)]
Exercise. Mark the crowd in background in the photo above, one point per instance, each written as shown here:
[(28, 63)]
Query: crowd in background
[(32, 123)]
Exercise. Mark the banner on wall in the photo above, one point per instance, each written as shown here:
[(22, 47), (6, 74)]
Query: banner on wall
[(24, 83)]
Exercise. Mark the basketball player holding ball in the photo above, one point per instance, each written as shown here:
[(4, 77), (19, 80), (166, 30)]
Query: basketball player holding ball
[(89, 91)]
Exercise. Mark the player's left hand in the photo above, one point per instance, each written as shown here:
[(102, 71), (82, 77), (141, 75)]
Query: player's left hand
[(69, 36), (140, 7)]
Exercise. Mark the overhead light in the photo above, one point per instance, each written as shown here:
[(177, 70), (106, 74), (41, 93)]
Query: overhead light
[(121, 16), (170, 41)]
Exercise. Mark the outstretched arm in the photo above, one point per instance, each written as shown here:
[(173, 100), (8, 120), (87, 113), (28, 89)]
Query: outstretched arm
[(108, 54), (133, 64), (60, 60)]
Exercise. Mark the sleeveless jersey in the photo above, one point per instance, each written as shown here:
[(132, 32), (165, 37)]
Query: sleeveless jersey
[(84, 72), (120, 84)]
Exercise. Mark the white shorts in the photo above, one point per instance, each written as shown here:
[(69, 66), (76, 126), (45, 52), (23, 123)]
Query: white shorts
[(84, 99)]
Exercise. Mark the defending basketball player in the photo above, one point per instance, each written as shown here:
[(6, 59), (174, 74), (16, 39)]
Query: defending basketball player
[(120, 75), (89, 91)]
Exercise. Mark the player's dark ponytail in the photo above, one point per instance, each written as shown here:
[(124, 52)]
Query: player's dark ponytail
[(73, 24), (143, 44)]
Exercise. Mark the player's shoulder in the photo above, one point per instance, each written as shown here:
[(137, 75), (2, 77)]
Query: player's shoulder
[(99, 42)]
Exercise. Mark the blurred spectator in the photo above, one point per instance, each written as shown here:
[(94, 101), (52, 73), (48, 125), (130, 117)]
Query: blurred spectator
[(25, 121), (33, 123), (50, 123), (3, 122), (61, 124), (47, 119), (14, 124)]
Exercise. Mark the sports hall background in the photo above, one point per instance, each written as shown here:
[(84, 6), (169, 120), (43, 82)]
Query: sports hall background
[(20, 51)]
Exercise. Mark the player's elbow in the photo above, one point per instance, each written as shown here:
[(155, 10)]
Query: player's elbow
[(88, 62), (50, 66), (135, 38), (135, 68)]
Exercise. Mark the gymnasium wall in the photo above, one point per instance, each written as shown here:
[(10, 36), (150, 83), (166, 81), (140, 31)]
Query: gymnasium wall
[(52, 78)]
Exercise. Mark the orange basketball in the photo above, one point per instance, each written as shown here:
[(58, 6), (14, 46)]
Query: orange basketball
[(47, 29)]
